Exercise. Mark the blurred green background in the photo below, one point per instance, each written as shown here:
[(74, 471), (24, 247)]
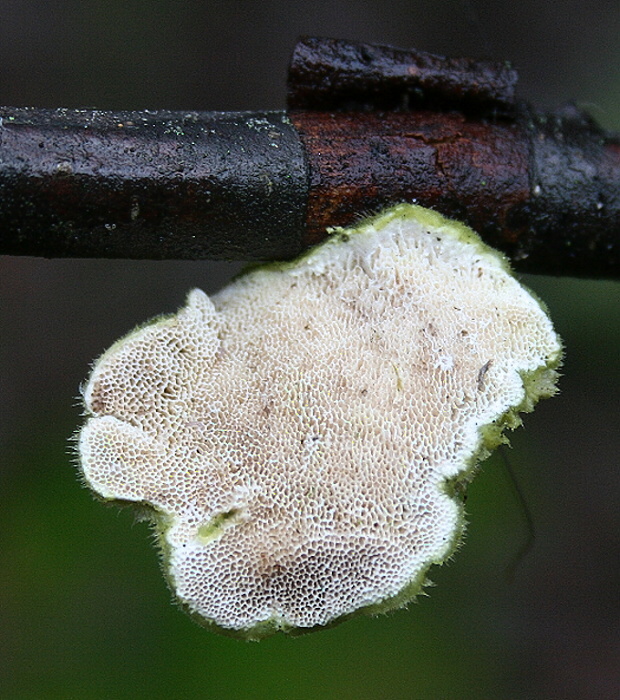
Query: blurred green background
[(84, 610)]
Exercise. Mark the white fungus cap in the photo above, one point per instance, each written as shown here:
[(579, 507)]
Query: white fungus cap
[(299, 436)]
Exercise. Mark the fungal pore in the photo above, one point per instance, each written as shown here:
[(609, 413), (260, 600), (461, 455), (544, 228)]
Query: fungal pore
[(301, 437)]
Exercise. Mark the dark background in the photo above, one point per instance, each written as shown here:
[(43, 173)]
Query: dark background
[(84, 611)]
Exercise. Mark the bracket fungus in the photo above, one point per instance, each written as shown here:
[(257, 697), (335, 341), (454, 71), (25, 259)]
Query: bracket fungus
[(302, 436)]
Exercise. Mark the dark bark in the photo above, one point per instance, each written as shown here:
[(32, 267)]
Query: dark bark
[(545, 189), (150, 184), (331, 74)]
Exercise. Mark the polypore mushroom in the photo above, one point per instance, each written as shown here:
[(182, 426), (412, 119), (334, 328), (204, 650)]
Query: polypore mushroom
[(299, 435)]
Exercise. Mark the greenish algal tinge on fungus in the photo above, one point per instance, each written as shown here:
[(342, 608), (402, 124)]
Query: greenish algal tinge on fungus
[(299, 436)]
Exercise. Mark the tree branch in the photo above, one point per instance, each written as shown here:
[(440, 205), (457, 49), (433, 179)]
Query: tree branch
[(378, 126)]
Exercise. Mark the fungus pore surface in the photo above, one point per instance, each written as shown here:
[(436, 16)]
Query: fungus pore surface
[(299, 437)]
